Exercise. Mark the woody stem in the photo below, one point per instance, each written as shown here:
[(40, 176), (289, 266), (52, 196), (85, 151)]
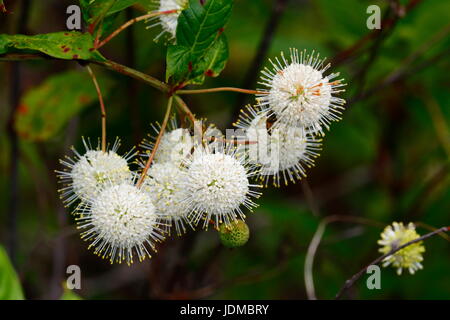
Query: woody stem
[(220, 89)]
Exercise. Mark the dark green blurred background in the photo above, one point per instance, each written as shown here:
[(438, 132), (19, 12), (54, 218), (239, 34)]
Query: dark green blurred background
[(387, 160)]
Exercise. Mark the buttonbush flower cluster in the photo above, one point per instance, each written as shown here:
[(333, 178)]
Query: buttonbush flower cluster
[(294, 107), (190, 181)]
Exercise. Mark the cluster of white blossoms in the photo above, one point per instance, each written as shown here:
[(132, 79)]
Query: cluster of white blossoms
[(282, 153), (217, 185), (198, 179), (191, 181), (286, 126), (410, 257), (202, 178), (117, 218), (299, 94), (86, 174)]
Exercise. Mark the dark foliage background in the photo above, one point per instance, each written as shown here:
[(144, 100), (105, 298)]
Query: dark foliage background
[(387, 160)]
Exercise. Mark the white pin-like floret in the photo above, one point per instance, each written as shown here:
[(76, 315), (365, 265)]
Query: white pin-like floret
[(283, 153), (176, 143), (299, 94), (85, 174), (121, 223), (409, 257), (217, 186), (164, 184), (169, 21)]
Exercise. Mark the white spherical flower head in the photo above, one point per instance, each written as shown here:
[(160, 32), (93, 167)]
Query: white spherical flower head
[(299, 95), (121, 222), (164, 184), (175, 145), (409, 257), (216, 186), (169, 21), (86, 174), (282, 153)]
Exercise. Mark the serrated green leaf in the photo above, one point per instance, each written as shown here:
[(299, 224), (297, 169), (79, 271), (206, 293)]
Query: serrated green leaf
[(62, 45), (199, 44), (44, 110), (10, 288)]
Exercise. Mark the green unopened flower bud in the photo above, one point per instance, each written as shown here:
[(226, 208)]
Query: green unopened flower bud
[(235, 234)]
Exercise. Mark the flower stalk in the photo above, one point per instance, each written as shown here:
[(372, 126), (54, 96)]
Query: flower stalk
[(131, 22), (102, 106), (158, 140)]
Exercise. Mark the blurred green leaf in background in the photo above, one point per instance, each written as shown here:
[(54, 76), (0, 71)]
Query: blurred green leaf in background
[(10, 287), (44, 110)]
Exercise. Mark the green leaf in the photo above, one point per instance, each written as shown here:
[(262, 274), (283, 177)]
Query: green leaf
[(94, 11), (200, 45), (212, 62), (62, 45), (10, 288), (70, 295), (44, 110)]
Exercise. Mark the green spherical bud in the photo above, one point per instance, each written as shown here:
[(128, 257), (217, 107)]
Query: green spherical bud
[(235, 234)]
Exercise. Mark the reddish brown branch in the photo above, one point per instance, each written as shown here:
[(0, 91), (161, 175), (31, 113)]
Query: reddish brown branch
[(158, 140), (131, 22), (102, 107)]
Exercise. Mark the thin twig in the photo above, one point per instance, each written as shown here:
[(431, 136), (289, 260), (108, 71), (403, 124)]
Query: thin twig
[(314, 244), (219, 90), (385, 24), (361, 75), (232, 141), (350, 282), (309, 261), (102, 107), (131, 22), (108, 64), (184, 107), (158, 140), (155, 83), (403, 70)]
